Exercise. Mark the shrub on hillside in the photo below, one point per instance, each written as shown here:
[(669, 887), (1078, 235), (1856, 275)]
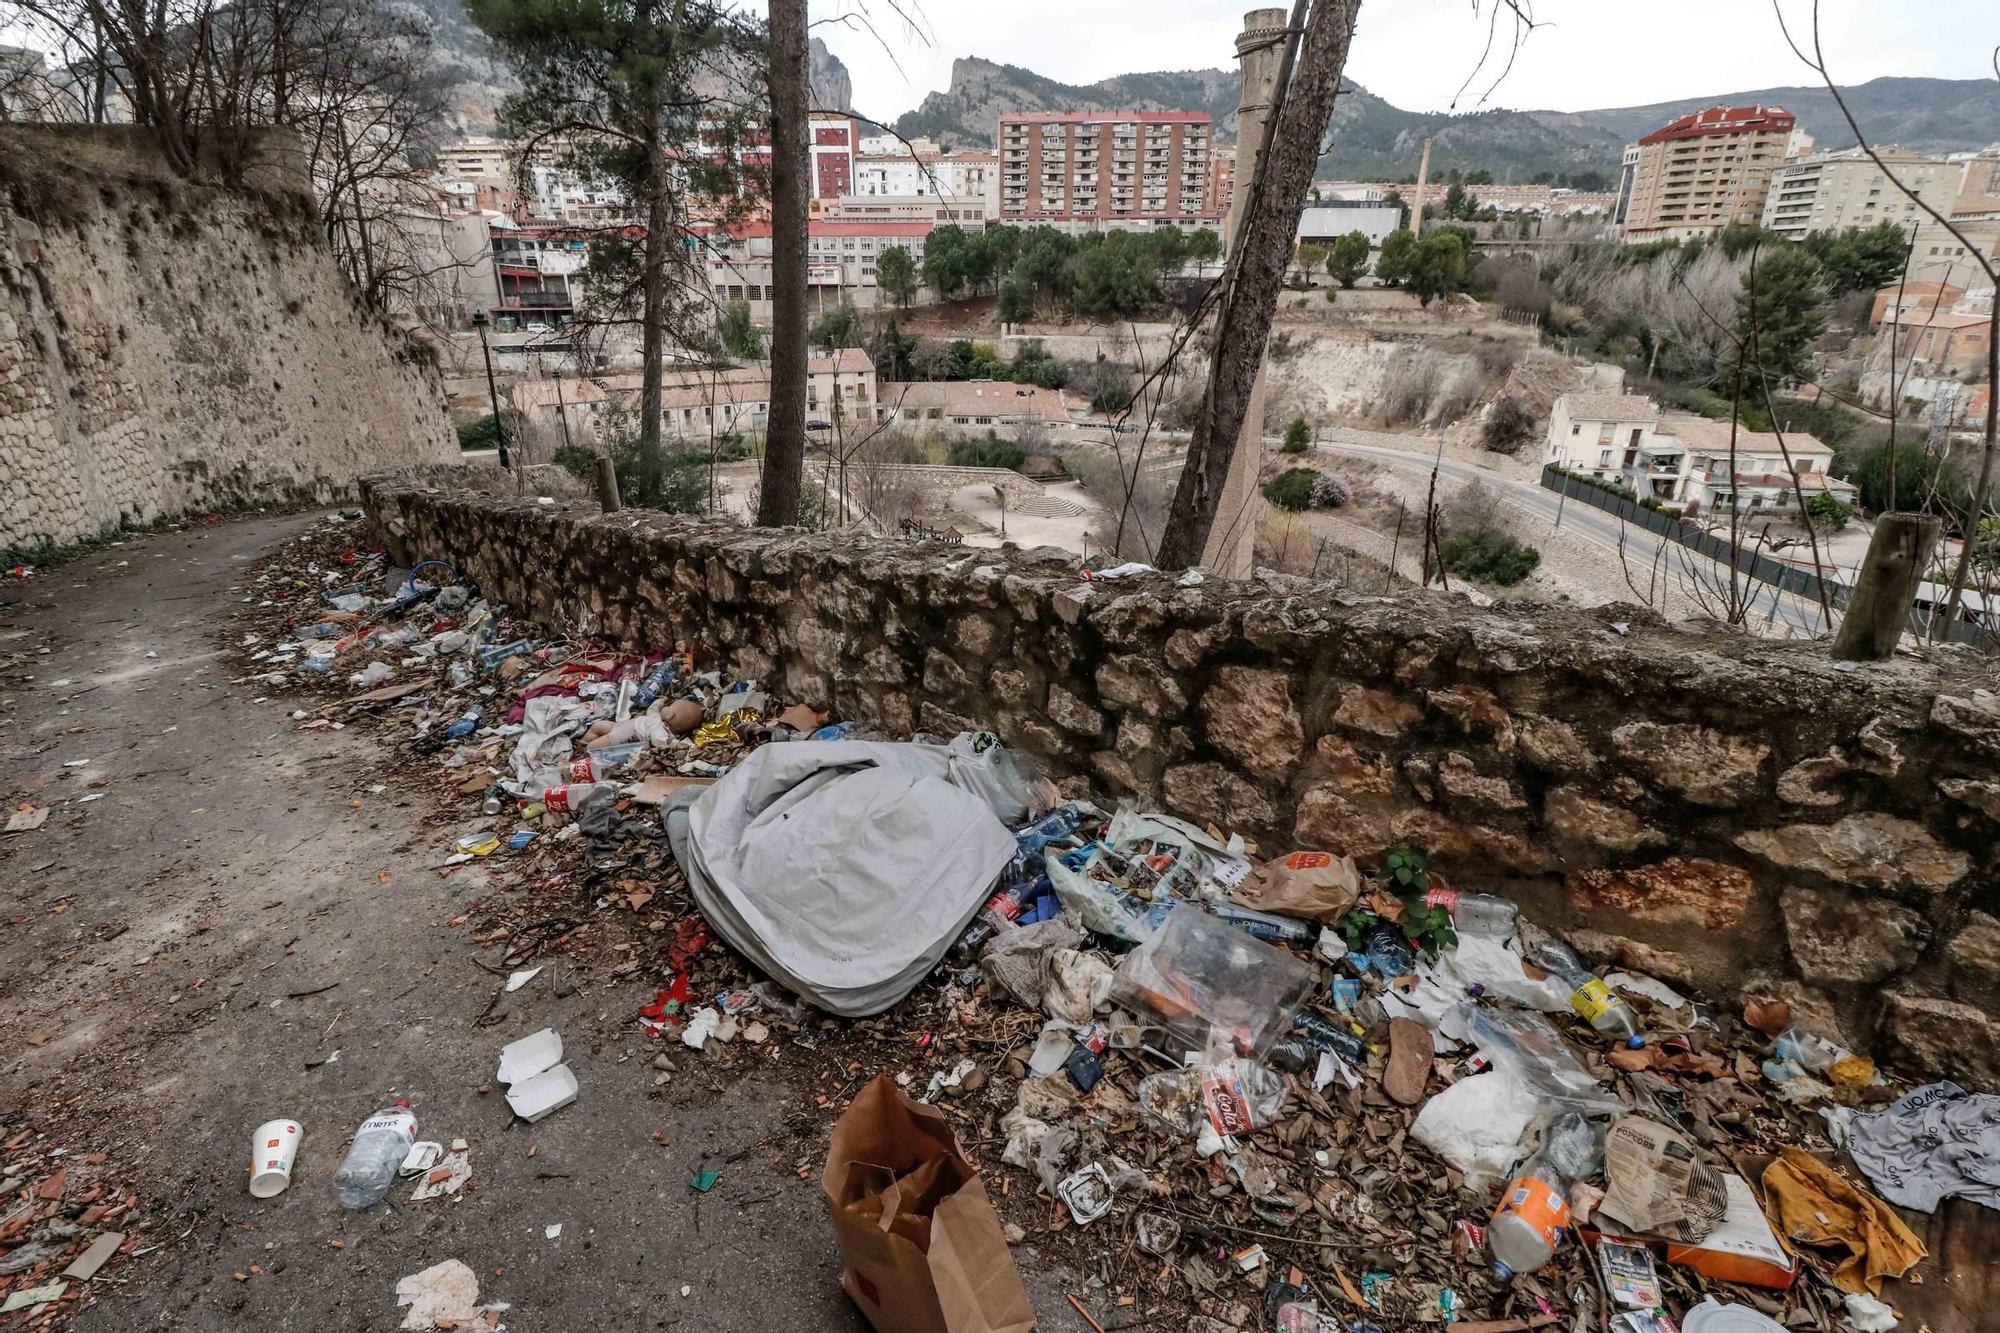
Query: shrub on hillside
[(987, 453), (1508, 426), (1291, 489), (1330, 492), (1488, 557)]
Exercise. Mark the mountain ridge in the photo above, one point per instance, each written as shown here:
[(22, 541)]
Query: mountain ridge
[(1373, 137)]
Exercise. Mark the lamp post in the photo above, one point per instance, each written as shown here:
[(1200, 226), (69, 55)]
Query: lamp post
[(562, 413), (479, 321)]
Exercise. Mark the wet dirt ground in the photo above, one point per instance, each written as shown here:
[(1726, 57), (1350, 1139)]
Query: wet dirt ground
[(242, 927)]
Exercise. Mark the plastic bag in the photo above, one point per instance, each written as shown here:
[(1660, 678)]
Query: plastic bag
[(982, 765), (1477, 1125), (1207, 980)]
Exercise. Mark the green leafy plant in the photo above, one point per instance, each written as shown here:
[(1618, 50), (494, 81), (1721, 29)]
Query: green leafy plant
[(1406, 870)]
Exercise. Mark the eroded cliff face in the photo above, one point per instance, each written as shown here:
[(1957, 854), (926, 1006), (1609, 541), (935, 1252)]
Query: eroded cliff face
[(169, 347), (1731, 814)]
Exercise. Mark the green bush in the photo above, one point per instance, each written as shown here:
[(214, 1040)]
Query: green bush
[(986, 453), (484, 433), (1298, 435), (679, 486), (1488, 557), (1828, 512), (1292, 489)]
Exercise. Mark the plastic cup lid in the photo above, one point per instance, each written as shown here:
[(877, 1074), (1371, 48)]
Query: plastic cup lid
[(1710, 1317)]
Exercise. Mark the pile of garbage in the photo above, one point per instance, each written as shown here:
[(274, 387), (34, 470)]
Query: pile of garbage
[(1238, 1089)]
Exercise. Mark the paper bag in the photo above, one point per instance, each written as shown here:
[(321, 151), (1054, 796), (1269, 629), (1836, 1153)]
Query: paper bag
[(922, 1245), (1314, 886)]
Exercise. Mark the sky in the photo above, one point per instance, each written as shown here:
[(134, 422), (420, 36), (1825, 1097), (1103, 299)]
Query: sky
[(1417, 53)]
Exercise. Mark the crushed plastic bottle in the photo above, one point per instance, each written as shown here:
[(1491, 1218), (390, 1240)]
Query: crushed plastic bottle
[(1264, 925), (379, 1147), (1388, 950), (657, 682), (467, 723), (1528, 1226), (1233, 1096), (597, 763), (1599, 1005), (1481, 914)]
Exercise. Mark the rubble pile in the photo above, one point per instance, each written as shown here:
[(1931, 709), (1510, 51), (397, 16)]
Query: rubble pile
[(1228, 1086), (64, 1215)]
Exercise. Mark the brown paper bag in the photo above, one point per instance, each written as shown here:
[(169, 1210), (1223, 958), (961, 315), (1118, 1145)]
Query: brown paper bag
[(1313, 886), (922, 1244)]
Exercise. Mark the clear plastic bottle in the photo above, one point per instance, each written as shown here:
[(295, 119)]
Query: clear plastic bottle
[(1599, 1005), (1388, 950), (605, 759), (1528, 1226), (1233, 1096), (467, 723), (566, 799), (1476, 913), (379, 1147)]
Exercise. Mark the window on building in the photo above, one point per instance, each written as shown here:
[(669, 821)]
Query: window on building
[(1637, 431), (735, 291), (1576, 429), (1604, 458)]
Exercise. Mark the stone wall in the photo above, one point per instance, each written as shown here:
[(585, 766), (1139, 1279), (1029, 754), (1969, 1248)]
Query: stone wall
[(168, 346), (1731, 814)]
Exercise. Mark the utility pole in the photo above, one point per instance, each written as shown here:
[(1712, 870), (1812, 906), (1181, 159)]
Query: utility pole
[(1232, 540), (479, 321)]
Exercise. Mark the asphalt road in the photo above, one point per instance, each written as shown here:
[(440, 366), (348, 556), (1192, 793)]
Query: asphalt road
[(1643, 550)]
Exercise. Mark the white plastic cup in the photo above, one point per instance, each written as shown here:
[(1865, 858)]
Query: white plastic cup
[(273, 1149)]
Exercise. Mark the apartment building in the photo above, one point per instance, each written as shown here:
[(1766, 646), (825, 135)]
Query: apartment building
[(966, 180), (477, 157), (840, 261), (1549, 200), (1834, 191), (534, 268), (1221, 186), (934, 209), (1093, 170), (1979, 185), (1707, 170)]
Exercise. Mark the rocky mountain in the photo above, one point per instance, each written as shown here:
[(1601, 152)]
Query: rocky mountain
[(1934, 115), (1374, 138), (481, 79)]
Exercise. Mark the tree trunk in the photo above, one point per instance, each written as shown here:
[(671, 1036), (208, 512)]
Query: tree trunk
[(652, 455), (1879, 609), (1244, 324), (785, 431), (1982, 490)]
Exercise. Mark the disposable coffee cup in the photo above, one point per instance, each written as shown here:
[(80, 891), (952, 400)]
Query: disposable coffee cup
[(272, 1152)]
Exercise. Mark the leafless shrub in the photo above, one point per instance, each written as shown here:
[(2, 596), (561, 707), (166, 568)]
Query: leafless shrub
[(1105, 479), (1410, 385), (1455, 398)]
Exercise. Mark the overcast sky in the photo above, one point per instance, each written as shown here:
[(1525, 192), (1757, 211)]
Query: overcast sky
[(1416, 53)]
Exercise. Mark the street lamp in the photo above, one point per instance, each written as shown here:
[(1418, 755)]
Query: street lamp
[(479, 321), (562, 414)]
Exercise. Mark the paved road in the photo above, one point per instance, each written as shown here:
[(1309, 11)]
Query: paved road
[(1642, 548)]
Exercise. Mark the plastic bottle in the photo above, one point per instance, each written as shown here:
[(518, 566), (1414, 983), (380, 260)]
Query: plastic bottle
[(468, 722), (1001, 912), (1388, 950), (566, 798), (380, 1146), (1263, 925), (1232, 1096), (1528, 1226), (1476, 913), (1599, 1005), (838, 731), (494, 654), (604, 759), (657, 682), (325, 629)]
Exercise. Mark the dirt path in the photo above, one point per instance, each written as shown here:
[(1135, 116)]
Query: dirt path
[(157, 949)]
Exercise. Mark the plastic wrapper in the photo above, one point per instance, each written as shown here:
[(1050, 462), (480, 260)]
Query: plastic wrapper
[(1527, 1046), (1124, 885), (1212, 985)]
